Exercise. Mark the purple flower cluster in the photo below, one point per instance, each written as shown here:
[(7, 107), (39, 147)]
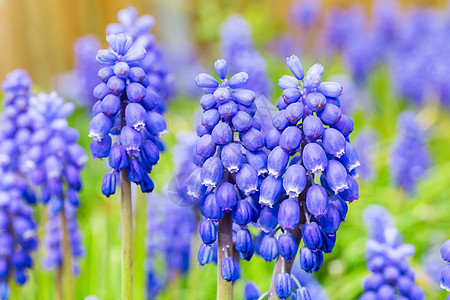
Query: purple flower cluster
[(366, 143), (409, 158), (445, 273), (54, 163), (17, 226), (169, 234), (229, 157), (160, 79), (392, 276), (126, 111), (306, 13), (238, 49), (53, 239), (310, 138)]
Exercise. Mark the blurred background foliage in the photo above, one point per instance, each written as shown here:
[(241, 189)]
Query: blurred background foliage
[(37, 35)]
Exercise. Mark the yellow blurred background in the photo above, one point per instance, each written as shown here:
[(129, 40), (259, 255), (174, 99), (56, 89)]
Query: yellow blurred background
[(37, 35)]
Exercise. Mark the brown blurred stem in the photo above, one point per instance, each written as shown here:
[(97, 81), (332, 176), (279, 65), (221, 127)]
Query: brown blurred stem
[(225, 242), (67, 259)]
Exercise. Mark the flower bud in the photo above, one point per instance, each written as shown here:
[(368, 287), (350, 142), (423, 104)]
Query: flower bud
[(211, 209), (272, 138), (242, 121), (202, 130), (244, 240), (268, 249), (222, 134), (208, 101), (101, 91), (227, 268), (100, 126), (287, 81), (251, 291), (105, 73), (244, 96), (204, 80), (210, 118), (149, 153), (252, 139), (290, 139), (313, 128), (257, 160), (116, 85), (294, 112), (247, 179), (350, 157), (291, 95), (135, 171), (312, 236), (328, 242), (281, 105), (344, 125), (212, 172), (287, 246), (314, 158), (315, 69), (268, 218), (277, 161), (294, 180), (330, 89), (251, 110), (330, 114), (151, 99), (445, 251), (310, 261), (336, 176), (289, 214), (228, 109), (226, 196), (280, 121), (242, 213), (205, 146), (232, 157), (341, 206), (283, 286), (110, 105), (333, 142), (135, 116), (270, 190), (194, 186), (208, 231), (316, 101), (109, 184), (101, 149), (130, 139), (302, 294), (156, 124), (331, 220), (317, 201), (238, 80), (220, 66), (294, 64), (221, 95), (352, 192), (311, 81), (205, 254)]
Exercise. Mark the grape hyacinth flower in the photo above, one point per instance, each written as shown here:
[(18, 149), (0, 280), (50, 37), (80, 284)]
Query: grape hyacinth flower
[(79, 84), (54, 163), (53, 240), (391, 273), (306, 13), (309, 141), (126, 111), (229, 157), (410, 158), (445, 274), (238, 49), (18, 227), (170, 229), (160, 80)]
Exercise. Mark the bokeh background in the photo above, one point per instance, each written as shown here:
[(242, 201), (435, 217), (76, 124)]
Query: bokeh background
[(38, 35)]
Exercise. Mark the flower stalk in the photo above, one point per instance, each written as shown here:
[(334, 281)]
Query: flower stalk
[(225, 243), (67, 259)]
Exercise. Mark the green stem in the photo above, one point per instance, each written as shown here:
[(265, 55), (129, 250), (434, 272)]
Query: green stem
[(127, 237), (14, 288), (67, 259), (225, 239)]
